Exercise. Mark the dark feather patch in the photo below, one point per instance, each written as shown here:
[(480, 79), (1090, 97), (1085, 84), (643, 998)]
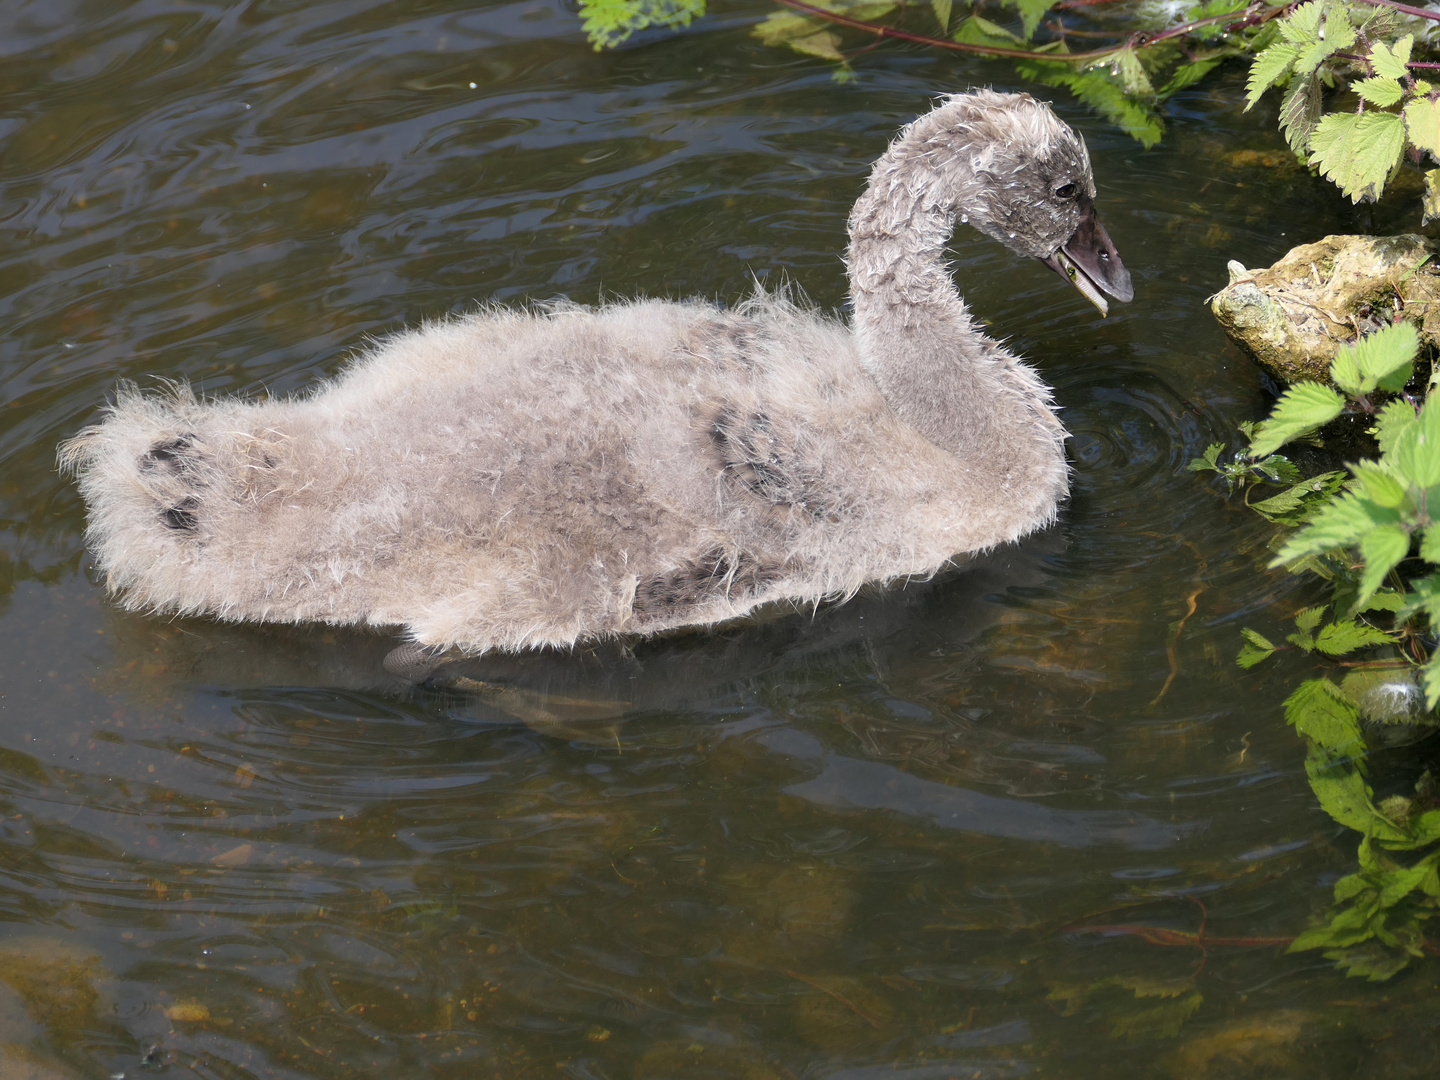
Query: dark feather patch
[(770, 463), (712, 575)]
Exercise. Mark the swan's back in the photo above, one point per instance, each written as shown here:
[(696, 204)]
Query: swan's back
[(512, 479)]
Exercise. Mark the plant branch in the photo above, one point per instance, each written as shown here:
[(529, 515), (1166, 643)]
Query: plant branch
[(1419, 13), (1140, 39)]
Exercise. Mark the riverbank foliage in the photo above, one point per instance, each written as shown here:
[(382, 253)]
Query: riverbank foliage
[(1372, 533), (1361, 55)]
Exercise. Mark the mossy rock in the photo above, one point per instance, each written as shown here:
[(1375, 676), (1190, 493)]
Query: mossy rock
[(1291, 317)]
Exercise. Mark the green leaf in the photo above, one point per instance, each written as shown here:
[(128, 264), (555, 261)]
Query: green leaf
[(1415, 455), (1339, 35), (1426, 829), (1386, 354), (1379, 91), (1300, 111), (1302, 26), (1430, 544), (1381, 548), (1431, 680), (1398, 884), (1370, 961), (1346, 636), (1382, 601), (1096, 89), (1389, 61), (608, 23), (1030, 13), (1255, 649), (1378, 484), (1358, 152), (1211, 459), (1161, 1021), (1392, 420), (942, 12), (1316, 937), (1301, 409), (1295, 504), (1309, 619), (1188, 74), (1422, 125), (1343, 521), (974, 30), (811, 36), (1344, 795), (1320, 712)]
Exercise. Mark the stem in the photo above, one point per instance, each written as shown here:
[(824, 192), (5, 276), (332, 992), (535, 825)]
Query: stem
[(1419, 13), (1140, 39)]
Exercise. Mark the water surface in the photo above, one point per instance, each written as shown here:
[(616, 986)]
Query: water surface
[(863, 845)]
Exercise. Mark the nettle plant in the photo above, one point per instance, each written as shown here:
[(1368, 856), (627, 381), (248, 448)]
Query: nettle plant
[(1373, 533), (1393, 113), (1362, 52)]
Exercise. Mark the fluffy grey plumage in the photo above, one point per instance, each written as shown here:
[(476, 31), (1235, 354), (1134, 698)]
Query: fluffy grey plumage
[(523, 478)]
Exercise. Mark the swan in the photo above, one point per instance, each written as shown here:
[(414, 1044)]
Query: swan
[(513, 479)]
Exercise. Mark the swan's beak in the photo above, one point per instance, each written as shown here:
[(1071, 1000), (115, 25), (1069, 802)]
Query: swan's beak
[(1089, 261)]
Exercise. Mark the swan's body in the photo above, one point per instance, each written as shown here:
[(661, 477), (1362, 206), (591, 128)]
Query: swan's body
[(514, 479)]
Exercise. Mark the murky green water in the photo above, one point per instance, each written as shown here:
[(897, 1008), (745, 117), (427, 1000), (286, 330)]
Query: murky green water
[(857, 846)]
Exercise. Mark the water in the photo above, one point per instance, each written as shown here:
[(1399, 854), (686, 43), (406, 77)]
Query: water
[(863, 845)]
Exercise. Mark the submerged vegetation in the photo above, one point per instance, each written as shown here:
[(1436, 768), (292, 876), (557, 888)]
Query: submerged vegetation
[(1365, 52), (1372, 533)]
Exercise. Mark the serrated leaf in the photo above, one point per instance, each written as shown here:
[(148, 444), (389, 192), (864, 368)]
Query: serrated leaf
[(1295, 504), (1161, 1021), (1309, 619), (1344, 795), (1378, 484), (1255, 649), (1300, 112), (1097, 90), (1415, 455), (608, 23), (1210, 460), (1338, 36), (1430, 678), (942, 12), (1389, 60), (1358, 152), (1319, 711), (1370, 961), (1344, 521), (1384, 600), (1422, 125), (1302, 26), (1430, 544), (1382, 549), (1393, 419), (1301, 409), (973, 30), (1346, 636), (1031, 12), (1188, 74), (1378, 90), (1387, 352)]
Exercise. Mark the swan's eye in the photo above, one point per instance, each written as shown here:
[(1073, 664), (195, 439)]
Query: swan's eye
[(1065, 191)]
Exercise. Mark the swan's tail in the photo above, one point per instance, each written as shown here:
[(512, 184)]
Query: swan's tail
[(147, 472)]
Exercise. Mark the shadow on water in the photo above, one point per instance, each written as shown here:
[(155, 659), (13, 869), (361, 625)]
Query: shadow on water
[(971, 827)]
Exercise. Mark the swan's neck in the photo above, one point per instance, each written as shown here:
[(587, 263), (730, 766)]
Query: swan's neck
[(933, 365)]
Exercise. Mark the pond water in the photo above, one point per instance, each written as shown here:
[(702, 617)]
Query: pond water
[(873, 843)]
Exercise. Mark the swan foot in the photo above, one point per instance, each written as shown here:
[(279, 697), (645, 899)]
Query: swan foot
[(411, 661)]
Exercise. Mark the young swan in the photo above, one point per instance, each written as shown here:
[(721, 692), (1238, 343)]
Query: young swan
[(513, 479)]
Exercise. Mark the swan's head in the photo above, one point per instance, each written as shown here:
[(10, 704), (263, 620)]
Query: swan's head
[(1017, 173)]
